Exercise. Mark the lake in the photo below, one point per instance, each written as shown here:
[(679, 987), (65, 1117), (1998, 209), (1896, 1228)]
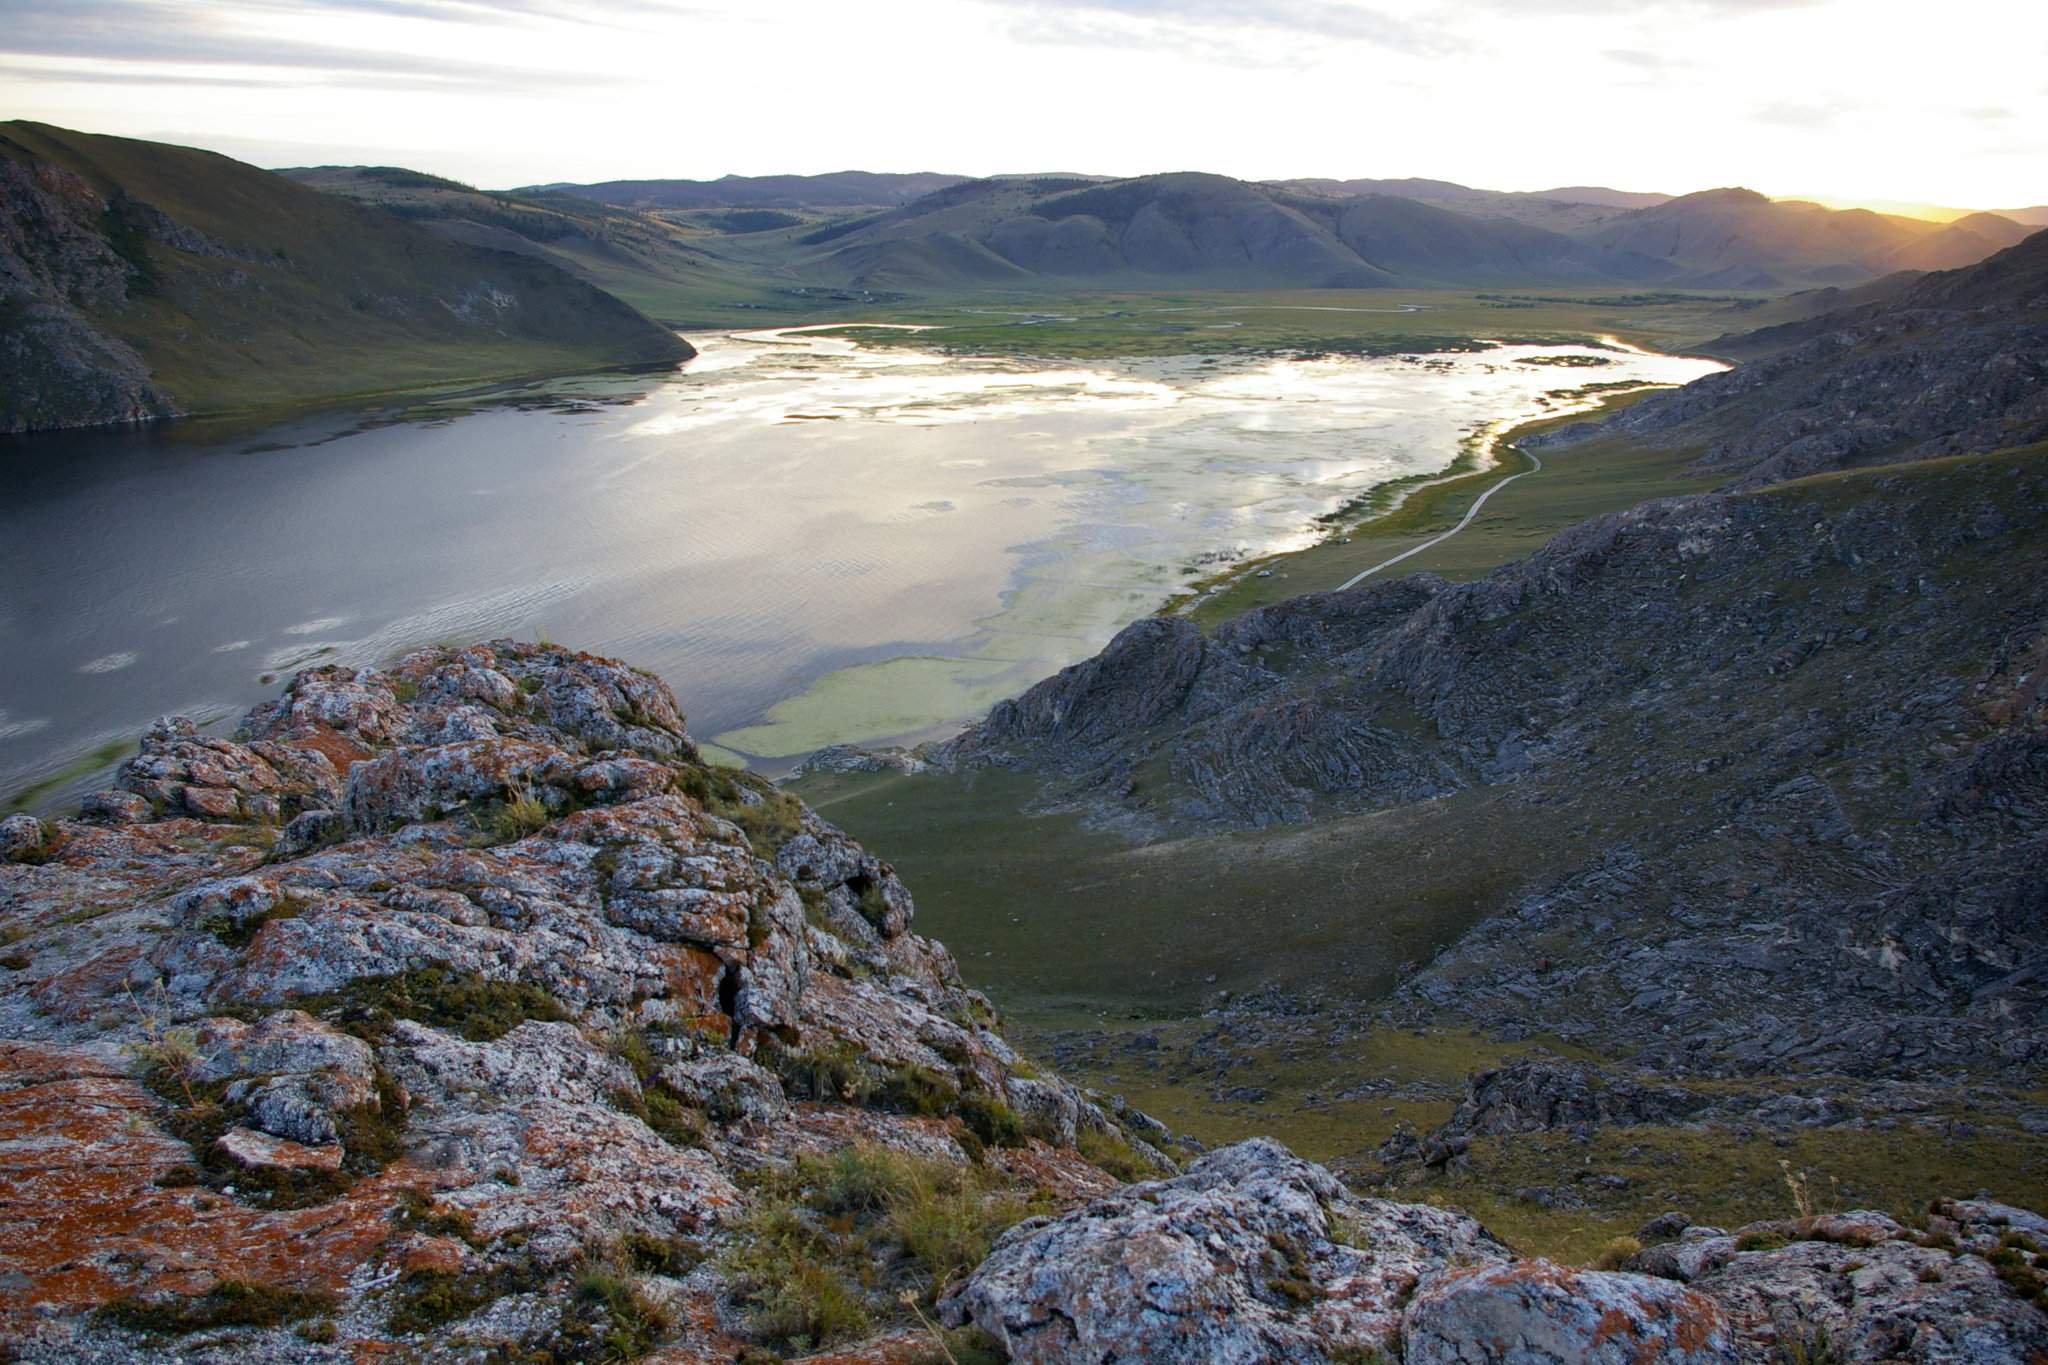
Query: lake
[(811, 540)]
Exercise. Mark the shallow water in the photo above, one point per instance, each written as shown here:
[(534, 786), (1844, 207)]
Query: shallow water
[(812, 541)]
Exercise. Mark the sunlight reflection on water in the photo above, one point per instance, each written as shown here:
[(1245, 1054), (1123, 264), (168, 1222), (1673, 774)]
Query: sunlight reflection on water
[(811, 540)]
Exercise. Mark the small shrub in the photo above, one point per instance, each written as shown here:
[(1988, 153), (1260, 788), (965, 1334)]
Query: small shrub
[(963, 1346), (991, 1119), (864, 1178), (873, 906), (1616, 1253), (479, 1009), (1112, 1153), (675, 1122), (427, 1299), (631, 1046), (781, 1266), (1296, 1291), (521, 814), (416, 1210), (239, 934), (373, 1133), (768, 820), (231, 1303), (825, 1071), (948, 1224), (917, 1089), (831, 1223), (608, 1311), (1761, 1241), (651, 1255), (1812, 1350)]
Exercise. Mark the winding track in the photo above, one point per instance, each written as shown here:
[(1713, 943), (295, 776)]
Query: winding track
[(1470, 513)]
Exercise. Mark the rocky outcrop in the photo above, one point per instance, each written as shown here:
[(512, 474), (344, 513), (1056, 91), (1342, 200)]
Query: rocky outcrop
[(1851, 886), (1256, 1255), (63, 370), (521, 988), (1252, 1255), (1537, 1096)]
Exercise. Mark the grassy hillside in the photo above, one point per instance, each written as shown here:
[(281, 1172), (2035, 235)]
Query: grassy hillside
[(1739, 239), (665, 265), (240, 289), (1127, 964)]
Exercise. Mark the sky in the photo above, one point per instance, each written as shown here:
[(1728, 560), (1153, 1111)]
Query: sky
[(1848, 101)]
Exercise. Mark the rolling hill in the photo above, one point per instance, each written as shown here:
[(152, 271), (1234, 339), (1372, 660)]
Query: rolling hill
[(1199, 229), (1737, 238), (659, 266), (1573, 208), (139, 279)]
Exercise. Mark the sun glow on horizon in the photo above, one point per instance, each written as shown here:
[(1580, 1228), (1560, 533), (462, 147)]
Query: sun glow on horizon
[(1666, 95)]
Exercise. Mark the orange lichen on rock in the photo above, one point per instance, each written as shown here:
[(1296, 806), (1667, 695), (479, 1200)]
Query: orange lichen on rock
[(84, 1219)]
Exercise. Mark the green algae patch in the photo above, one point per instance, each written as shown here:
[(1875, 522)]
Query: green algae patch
[(874, 703)]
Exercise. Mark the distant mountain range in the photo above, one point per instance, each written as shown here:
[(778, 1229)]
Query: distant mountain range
[(1216, 232), (940, 232)]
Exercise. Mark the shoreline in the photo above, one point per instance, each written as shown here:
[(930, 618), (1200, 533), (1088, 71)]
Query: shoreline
[(1373, 508)]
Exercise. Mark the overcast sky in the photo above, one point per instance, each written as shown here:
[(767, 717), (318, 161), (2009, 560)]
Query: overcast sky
[(1850, 100)]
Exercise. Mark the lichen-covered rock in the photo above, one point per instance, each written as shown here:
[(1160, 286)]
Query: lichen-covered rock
[(210, 778), (21, 836), (1252, 1255), (1859, 1286), (293, 1075), (1535, 1313), (256, 1150), (114, 807), (1892, 1301), (522, 986)]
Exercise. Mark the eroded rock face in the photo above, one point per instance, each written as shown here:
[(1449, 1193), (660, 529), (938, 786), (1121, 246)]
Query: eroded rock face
[(1252, 1255), (1535, 1096), (516, 957), (503, 1003)]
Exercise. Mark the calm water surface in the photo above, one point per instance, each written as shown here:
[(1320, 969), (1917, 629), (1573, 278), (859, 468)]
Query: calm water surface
[(811, 541)]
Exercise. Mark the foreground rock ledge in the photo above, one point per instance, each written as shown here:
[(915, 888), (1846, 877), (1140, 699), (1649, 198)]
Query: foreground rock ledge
[(460, 1011), (1256, 1255)]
